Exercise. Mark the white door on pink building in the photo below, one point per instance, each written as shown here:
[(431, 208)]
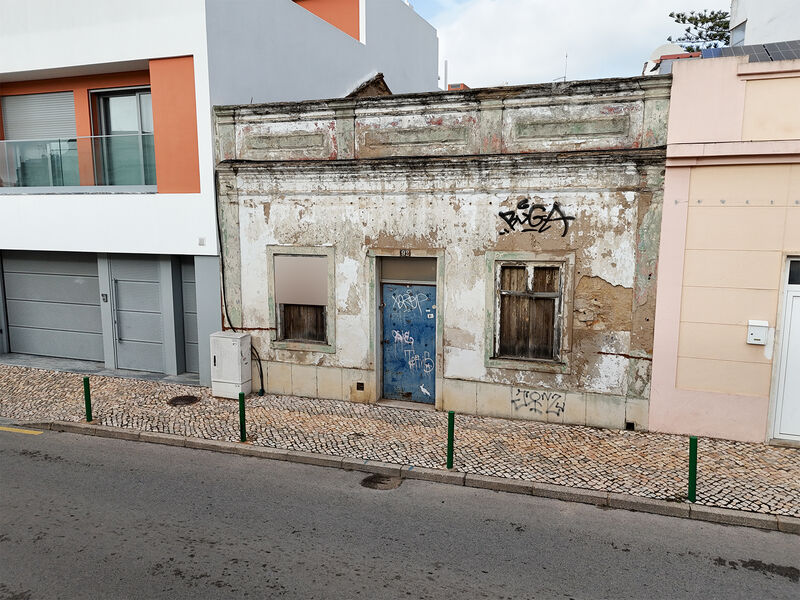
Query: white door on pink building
[(787, 413)]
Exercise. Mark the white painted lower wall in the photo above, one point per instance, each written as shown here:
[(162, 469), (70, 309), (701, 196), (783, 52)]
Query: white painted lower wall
[(112, 223)]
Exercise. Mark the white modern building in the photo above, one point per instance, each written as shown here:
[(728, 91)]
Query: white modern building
[(764, 22), (109, 247)]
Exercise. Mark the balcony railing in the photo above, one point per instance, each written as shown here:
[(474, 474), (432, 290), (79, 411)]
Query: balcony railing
[(102, 160)]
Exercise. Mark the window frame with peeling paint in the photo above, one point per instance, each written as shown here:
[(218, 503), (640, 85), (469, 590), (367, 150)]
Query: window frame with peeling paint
[(551, 343), (559, 361), (276, 308)]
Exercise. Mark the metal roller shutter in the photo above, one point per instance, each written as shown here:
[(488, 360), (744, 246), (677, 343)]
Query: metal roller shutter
[(53, 304), (39, 116)]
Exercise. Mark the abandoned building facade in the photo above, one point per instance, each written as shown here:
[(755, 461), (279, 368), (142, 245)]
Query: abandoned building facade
[(487, 251)]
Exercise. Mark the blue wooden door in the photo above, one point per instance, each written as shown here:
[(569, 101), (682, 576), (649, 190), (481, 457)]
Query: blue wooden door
[(409, 342)]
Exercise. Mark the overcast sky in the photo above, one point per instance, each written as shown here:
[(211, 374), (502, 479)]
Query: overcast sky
[(497, 42)]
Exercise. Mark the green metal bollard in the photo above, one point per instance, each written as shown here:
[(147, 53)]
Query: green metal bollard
[(87, 398), (242, 430), (692, 469), (451, 425)]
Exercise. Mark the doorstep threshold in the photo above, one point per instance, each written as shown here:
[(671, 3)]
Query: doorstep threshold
[(423, 406)]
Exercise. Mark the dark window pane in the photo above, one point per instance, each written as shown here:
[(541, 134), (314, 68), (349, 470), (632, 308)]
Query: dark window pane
[(545, 279), (303, 322), (794, 272), (513, 279), (542, 338)]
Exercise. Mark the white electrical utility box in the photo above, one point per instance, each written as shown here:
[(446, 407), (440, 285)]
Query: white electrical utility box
[(757, 332), (230, 364)]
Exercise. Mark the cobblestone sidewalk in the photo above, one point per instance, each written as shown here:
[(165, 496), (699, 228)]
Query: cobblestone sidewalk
[(752, 477)]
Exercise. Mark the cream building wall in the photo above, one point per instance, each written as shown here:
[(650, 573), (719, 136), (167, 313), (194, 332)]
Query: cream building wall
[(731, 219), (436, 176)]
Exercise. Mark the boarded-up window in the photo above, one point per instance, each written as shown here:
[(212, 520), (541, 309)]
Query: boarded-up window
[(529, 307), (301, 322), (301, 293)]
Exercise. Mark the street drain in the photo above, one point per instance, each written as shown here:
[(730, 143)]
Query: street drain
[(381, 482), (182, 400)]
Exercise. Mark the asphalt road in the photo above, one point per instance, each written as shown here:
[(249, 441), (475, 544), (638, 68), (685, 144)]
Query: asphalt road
[(85, 517)]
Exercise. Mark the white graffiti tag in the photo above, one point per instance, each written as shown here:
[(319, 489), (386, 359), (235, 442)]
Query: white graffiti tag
[(408, 302), (425, 391), (403, 337), (417, 362)]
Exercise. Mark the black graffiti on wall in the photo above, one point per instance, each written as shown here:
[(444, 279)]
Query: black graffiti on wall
[(534, 217), (551, 403)]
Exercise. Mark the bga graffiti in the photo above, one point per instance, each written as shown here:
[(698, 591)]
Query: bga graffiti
[(534, 217), (551, 403), (409, 302)]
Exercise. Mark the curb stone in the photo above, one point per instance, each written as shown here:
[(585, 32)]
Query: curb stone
[(214, 445), (648, 505), (309, 458), (725, 516), (789, 524), (435, 475), (70, 427), (117, 433), (571, 494), (167, 439), (45, 426), (499, 484), (264, 452), (371, 466)]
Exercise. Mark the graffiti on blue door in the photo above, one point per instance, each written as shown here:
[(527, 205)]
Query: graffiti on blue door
[(409, 342)]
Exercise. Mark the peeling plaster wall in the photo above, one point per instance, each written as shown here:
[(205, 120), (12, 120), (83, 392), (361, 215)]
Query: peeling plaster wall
[(289, 180)]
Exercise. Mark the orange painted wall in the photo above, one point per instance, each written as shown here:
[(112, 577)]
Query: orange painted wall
[(175, 124), (79, 86), (171, 82), (342, 14)]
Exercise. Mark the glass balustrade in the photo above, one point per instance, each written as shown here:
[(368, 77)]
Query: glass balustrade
[(105, 160)]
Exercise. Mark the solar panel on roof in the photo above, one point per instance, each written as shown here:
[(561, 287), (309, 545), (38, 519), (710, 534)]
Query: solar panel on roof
[(788, 50)]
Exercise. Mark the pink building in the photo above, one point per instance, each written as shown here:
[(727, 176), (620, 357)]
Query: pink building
[(726, 359)]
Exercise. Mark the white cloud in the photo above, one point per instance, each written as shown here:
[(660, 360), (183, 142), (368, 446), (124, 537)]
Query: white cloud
[(493, 42)]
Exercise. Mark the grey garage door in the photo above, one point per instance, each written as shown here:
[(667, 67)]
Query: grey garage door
[(53, 304)]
